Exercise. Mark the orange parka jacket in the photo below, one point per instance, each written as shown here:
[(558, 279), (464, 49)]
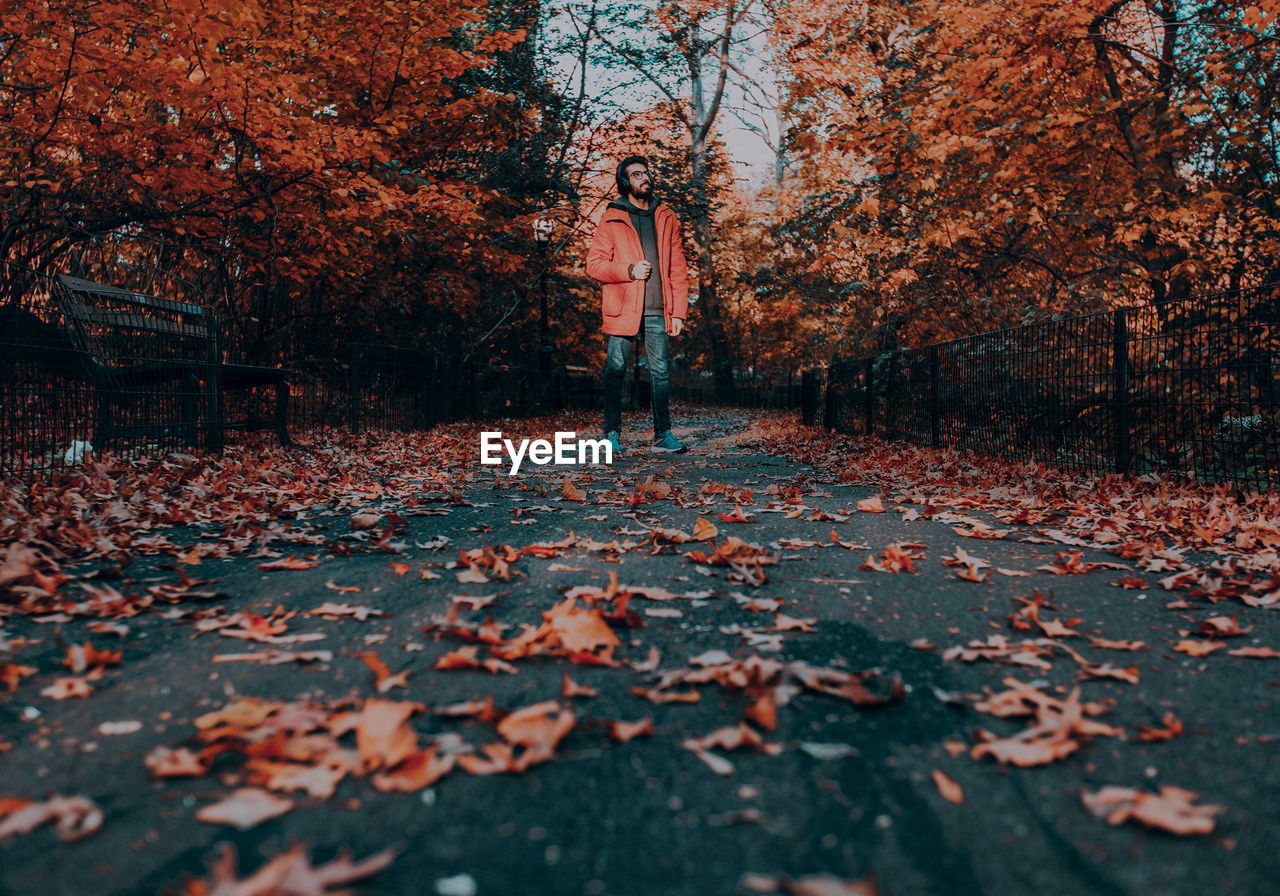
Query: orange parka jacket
[(615, 247)]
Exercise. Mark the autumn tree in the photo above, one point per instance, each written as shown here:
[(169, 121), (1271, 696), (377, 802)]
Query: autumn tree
[(965, 166), (300, 153)]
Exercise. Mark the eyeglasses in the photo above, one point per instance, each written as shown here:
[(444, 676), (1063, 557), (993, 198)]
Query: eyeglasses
[(636, 175)]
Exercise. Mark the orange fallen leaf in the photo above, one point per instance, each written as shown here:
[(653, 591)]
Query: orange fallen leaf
[(290, 872), (871, 505), (1172, 810), (1172, 728), (166, 762), (74, 817), (66, 688), (809, 885), (81, 657), (245, 808), (625, 731), (763, 711), (1116, 645), (538, 729), (736, 517), (383, 735), (384, 681), (570, 688), (950, 790), (784, 623), (417, 772), (12, 673), (1198, 648), (1222, 627), (580, 629), (1257, 653), (657, 695), (571, 491), (290, 562), (897, 558), (703, 530), (247, 712)]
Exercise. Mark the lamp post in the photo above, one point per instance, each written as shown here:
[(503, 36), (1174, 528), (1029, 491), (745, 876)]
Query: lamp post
[(542, 227)]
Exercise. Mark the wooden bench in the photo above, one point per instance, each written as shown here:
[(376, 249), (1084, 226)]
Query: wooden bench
[(129, 343)]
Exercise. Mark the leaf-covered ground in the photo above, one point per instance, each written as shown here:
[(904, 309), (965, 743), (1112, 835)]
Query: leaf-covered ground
[(783, 662)]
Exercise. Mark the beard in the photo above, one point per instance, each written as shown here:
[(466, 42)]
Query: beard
[(645, 192)]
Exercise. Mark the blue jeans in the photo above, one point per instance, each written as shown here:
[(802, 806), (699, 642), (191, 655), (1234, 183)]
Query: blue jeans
[(616, 357)]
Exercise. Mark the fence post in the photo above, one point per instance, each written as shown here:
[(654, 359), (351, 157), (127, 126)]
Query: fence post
[(214, 437), (870, 398), (934, 427), (829, 406), (808, 396), (1120, 356), (353, 396)]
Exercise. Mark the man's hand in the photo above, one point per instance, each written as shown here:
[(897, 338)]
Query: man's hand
[(640, 270), (675, 327)]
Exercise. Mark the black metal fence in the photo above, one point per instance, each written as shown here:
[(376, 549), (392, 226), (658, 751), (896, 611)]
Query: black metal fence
[(63, 395), (1177, 387), (1187, 386)]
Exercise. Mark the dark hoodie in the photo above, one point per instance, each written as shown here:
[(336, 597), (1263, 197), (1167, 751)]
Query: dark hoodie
[(642, 221)]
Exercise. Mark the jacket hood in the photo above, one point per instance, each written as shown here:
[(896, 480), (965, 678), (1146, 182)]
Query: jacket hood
[(624, 205)]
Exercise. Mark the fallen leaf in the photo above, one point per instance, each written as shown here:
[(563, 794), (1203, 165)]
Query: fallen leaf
[(1257, 653), (66, 688), (108, 729), (571, 491), (166, 762), (703, 530), (12, 673), (538, 729), (1172, 728), (570, 688), (383, 735), (81, 657), (385, 681), (950, 790), (288, 874), (625, 731), (290, 562), (245, 808), (1222, 627), (1172, 810), (1198, 648), (74, 817), (810, 885), (657, 695), (784, 623)]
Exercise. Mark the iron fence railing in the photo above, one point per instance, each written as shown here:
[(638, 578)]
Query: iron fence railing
[(62, 396), (1180, 387), (1185, 386)]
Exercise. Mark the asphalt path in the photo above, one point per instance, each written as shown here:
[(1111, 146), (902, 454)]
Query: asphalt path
[(839, 789)]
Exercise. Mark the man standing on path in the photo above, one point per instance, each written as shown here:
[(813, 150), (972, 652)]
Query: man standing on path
[(638, 258)]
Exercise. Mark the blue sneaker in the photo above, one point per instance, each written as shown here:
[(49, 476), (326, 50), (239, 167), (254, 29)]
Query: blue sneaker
[(669, 443), (615, 439)]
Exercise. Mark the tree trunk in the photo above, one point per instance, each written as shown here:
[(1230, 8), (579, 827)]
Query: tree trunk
[(708, 282)]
